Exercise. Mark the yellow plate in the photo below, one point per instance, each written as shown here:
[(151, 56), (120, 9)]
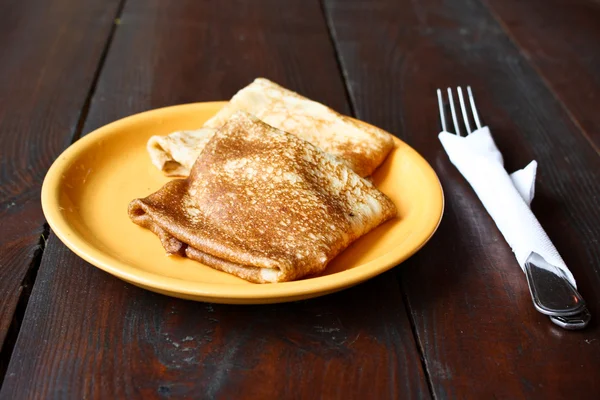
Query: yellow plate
[(87, 190)]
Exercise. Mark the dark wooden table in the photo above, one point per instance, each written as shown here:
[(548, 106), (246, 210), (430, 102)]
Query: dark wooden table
[(454, 321)]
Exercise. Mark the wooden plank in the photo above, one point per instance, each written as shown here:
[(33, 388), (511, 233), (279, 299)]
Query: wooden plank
[(50, 52), (87, 334), (560, 38), (480, 335)]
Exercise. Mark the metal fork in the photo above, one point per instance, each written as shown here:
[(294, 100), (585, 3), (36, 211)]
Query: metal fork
[(463, 108), (550, 290)]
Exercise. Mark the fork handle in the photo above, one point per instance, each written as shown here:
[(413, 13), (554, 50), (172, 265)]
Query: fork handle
[(551, 291)]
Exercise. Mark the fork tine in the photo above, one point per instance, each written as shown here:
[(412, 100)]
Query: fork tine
[(441, 105), (463, 109), (473, 108), (453, 111)]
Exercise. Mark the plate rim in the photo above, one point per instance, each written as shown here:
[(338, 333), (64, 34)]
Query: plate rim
[(215, 292)]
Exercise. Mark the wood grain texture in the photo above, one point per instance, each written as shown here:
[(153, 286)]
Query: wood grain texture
[(92, 336), (479, 332), (561, 39), (87, 334), (49, 55)]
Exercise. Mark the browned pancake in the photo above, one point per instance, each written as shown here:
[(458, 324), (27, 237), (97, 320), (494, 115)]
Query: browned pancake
[(263, 204)]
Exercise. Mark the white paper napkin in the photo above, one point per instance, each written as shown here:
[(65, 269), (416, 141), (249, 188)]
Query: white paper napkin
[(506, 198)]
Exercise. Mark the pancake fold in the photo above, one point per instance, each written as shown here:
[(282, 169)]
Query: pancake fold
[(360, 146), (262, 204)]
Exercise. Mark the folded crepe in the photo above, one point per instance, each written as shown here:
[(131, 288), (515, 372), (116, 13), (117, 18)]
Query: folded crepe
[(262, 204), (175, 154), (360, 146)]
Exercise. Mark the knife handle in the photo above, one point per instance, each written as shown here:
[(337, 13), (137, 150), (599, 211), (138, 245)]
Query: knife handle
[(551, 291)]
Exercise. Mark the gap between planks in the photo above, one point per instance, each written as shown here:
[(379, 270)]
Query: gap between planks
[(352, 105), (413, 327), (338, 59), (25, 293)]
